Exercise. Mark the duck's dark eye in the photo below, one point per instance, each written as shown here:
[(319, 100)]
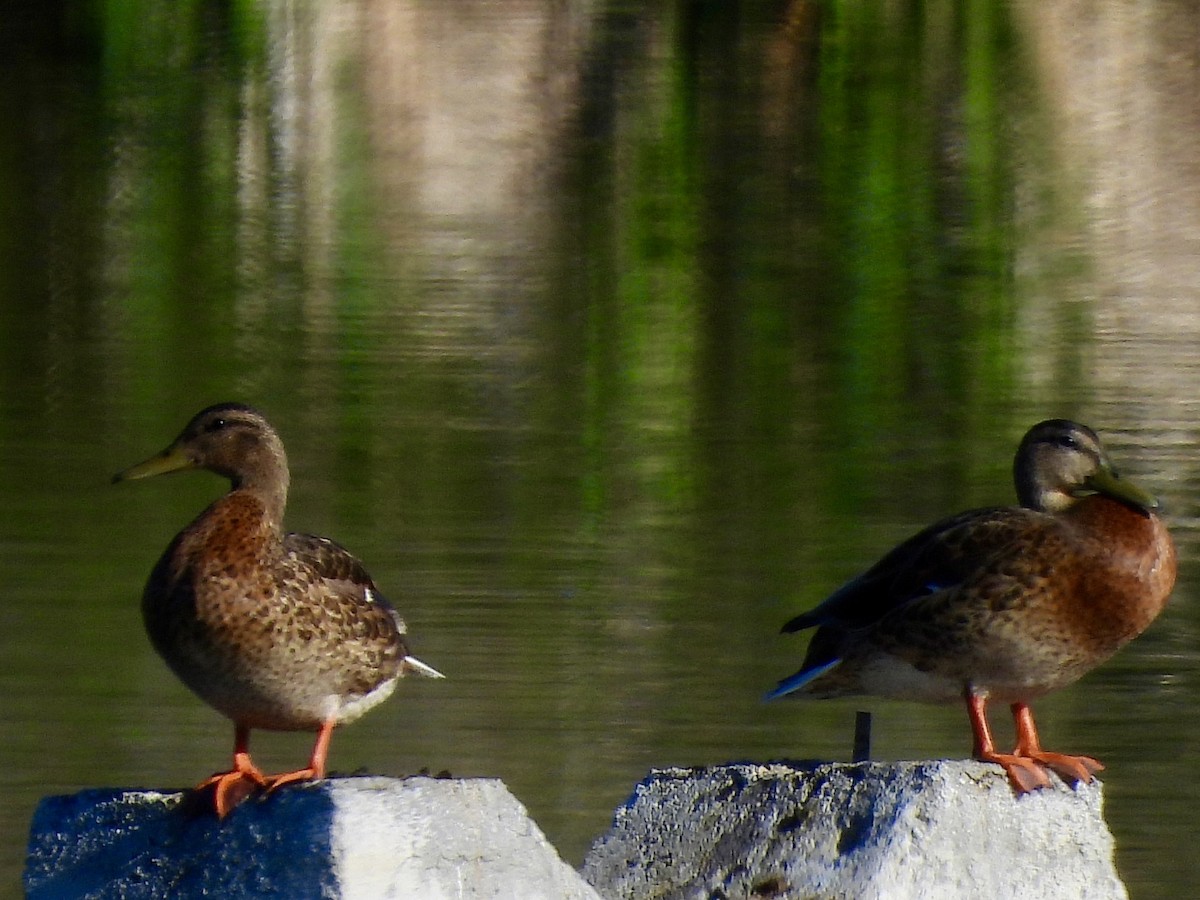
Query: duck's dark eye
[(1067, 440), (216, 425)]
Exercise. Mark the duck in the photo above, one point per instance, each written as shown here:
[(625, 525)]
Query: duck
[(275, 630), (1003, 604)]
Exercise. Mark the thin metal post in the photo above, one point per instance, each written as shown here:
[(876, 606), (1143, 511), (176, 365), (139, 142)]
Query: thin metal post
[(862, 736)]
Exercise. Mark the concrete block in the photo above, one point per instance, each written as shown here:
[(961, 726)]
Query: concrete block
[(365, 838), (930, 830)]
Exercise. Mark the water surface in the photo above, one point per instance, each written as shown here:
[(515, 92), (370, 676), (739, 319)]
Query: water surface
[(608, 338)]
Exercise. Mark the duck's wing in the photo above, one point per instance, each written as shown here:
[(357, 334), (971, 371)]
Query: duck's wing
[(331, 563), (331, 586), (939, 558), (967, 556)]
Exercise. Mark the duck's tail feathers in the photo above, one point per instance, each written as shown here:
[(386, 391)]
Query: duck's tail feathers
[(809, 619), (414, 665), (799, 680)]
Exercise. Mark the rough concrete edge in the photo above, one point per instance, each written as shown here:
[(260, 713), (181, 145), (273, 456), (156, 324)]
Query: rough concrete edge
[(943, 778), (466, 838), (519, 850)]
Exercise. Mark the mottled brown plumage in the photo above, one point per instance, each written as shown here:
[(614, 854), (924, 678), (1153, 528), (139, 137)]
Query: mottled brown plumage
[(1004, 603), (275, 630)]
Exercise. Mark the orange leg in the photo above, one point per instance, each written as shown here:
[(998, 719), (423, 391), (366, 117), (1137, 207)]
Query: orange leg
[(234, 786), (316, 763), (1069, 768), (1024, 773)]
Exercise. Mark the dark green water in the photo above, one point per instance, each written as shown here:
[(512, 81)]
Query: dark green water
[(608, 338)]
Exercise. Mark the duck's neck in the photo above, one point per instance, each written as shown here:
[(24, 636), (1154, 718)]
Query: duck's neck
[(272, 495), (265, 475)]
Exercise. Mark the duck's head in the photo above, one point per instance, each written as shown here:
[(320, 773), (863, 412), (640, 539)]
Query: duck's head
[(231, 439), (1060, 462)]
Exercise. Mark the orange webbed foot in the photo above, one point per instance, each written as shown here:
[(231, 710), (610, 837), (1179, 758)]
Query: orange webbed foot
[(315, 770), (1024, 774), (1068, 768), (1072, 769), (231, 788), (234, 786), (307, 774), (1028, 766)]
